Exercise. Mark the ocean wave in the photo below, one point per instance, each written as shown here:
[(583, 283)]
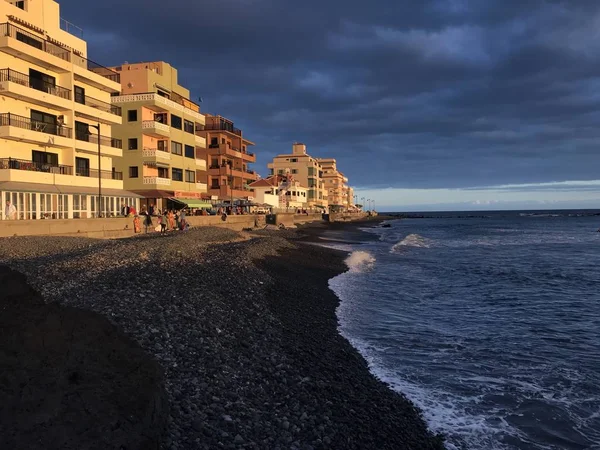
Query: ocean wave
[(412, 240), (360, 261)]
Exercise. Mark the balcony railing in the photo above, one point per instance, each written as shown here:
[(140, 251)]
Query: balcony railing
[(67, 26), (153, 96), (104, 174), (104, 140), (13, 120), (155, 153), (98, 104), (22, 164), (8, 29), (148, 124), (223, 127), (34, 83), (157, 180), (97, 68)]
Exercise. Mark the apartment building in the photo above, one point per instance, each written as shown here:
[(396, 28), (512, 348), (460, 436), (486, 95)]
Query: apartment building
[(229, 159), (164, 159), (305, 169), (335, 183), (280, 191), (57, 149)]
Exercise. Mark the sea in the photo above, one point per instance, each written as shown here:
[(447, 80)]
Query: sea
[(489, 322)]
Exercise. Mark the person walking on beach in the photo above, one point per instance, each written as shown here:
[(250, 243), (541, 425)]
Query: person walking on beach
[(10, 212)]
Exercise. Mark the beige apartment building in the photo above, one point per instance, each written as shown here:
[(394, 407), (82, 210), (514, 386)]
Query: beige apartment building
[(305, 169), (163, 156), (335, 183), (57, 149), (229, 158)]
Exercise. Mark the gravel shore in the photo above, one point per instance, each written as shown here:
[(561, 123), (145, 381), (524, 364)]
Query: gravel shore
[(244, 328)]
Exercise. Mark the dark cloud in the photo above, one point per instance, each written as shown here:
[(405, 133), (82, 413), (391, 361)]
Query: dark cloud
[(437, 93)]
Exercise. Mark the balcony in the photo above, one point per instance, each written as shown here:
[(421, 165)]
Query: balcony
[(223, 149), (154, 153), (104, 174), (21, 86), (96, 74), (24, 129), (155, 102), (158, 181), (109, 146), (248, 156), (200, 141), (223, 126), (201, 164), (95, 109), (156, 129), (32, 166), (33, 48)]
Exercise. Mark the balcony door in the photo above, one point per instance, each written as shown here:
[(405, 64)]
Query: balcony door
[(41, 81), (80, 95), (42, 159), (44, 122), (82, 131), (82, 167)]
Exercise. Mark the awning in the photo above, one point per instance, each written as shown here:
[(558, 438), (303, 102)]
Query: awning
[(194, 203), (59, 189)]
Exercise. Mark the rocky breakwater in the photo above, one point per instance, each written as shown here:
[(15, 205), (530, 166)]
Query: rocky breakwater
[(245, 330), (71, 380)]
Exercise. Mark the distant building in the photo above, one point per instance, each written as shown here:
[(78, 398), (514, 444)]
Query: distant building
[(229, 159), (335, 183), (280, 191), (306, 170), (56, 122), (163, 157)]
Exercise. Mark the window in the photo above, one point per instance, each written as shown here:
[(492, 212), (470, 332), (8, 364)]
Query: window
[(133, 171), (41, 81), (214, 143), (163, 146), (20, 4), (176, 174), (29, 40), (188, 126), (311, 171), (190, 152), (80, 95), (133, 144), (270, 171), (190, 176), (280, 172), (176, 148), (82, 167), (162, 94), (44, 158), (163, 172), (82, 131), (176, 121), (293, 159), (46, 123), (214, 183), (161, 118), (294, 171), (132, 115)]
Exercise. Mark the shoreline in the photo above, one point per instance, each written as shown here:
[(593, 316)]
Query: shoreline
[(246, 332)]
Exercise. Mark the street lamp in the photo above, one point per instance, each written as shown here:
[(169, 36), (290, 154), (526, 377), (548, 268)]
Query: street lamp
[(362, 207), (99, 207)]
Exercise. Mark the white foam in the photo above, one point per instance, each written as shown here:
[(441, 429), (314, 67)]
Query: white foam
[(360, 261), (412, 240)]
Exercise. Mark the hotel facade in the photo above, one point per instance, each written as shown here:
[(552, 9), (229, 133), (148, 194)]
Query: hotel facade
[(305, 169), (163, 156), (56, 119)]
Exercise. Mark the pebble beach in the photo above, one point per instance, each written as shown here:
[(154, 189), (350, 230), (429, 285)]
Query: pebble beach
[(243, 326)]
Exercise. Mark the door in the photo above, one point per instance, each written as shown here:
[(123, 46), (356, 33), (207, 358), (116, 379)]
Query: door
[(82, 131), (80, 95), (82, 167)]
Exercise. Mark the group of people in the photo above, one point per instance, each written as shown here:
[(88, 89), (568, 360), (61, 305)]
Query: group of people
[(168, 220)]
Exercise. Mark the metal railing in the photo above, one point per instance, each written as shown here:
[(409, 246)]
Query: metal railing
[(223, 127), (8, 29), (97, 68), (104, 174), (13, 120), (34, 83), (98, 104), (104, 140), (67, 26), (22, 164)]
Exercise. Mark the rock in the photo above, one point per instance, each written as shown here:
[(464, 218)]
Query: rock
[(238, 439)]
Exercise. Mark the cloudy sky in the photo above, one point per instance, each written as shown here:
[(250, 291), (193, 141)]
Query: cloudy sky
[(425, 104)]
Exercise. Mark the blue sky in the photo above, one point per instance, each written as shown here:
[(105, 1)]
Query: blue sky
[(451, 104)]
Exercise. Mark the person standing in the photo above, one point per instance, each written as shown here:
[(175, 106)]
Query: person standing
[(10, 212)]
